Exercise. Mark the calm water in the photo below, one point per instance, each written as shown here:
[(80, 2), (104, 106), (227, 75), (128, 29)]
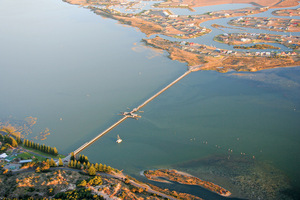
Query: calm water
[(62, 61)]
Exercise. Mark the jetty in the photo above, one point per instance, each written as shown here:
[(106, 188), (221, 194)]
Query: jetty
[(132, 113), (85, 145)]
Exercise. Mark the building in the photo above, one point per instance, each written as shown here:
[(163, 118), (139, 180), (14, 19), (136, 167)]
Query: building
[(3, 156), (25, 161)]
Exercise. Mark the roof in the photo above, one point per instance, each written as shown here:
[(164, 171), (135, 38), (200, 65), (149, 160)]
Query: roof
[(25, 161), (4, 155)]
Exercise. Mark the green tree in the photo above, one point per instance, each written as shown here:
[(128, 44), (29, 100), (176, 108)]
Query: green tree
[(100, 168), (75, 164), (38, 170), (97, 180), (72, 156), (52, 163), (60, 163), (97, 167), (55, 152), (19, 141), (80, 158), (92, 171), (45, 165), (108, 169), (104, 168), (78, 166), (86, 159), (71, 164), (82, 183), (13, 142)]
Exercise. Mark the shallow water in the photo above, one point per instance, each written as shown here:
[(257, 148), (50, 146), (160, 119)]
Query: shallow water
[(73, 71)]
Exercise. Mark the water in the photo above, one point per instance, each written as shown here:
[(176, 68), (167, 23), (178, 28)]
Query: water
[(64, 66), (59, 61)]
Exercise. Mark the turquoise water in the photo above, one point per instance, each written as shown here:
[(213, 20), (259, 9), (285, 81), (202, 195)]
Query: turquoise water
[(75, 72)]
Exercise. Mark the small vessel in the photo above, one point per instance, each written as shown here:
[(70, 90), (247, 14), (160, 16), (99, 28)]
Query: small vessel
[(119, 140)]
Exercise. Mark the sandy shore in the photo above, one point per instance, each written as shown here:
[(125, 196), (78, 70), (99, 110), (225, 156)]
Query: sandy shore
[(184, 178)]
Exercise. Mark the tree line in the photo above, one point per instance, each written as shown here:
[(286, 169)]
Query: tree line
[(42, 148), (15, 142), (8, 140), (82, 162)]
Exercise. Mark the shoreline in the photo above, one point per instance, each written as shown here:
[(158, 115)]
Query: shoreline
[(198, 54), (185, 179)]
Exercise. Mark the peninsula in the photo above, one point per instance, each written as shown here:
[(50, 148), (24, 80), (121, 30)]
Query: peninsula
[(184, 178), (211, 58)]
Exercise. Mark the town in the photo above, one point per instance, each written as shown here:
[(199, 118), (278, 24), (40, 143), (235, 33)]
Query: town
[(212, 58), (292, 42), (274, 24), (166, 23), (287, 12)]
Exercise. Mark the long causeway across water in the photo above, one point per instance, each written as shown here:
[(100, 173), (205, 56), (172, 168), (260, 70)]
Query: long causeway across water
[(130, 114)]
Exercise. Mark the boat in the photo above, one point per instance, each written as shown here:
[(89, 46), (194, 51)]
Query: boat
[(119, 140)]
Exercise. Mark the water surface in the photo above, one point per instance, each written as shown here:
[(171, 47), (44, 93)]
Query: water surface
[(75, 72)]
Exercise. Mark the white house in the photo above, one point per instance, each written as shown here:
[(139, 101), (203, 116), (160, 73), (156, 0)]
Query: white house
[(3, 156), (25, 161)]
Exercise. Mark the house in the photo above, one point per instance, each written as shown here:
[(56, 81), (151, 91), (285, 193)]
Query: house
[(294, 53), (3, 156), (25, 161), (245, 39)]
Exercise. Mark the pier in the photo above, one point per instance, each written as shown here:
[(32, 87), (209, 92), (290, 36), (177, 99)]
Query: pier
[(85, 145), (131, 114)]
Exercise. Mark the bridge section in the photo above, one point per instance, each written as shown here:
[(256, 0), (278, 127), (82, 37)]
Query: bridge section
[(130, 114), (162, 90), (85, 145)]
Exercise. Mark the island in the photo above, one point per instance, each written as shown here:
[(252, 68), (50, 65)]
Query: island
[(184, 178), (289, 41), (287, 12), (273, 24)]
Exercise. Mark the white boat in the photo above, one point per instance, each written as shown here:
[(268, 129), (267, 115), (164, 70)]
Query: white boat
[(119, 140)]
